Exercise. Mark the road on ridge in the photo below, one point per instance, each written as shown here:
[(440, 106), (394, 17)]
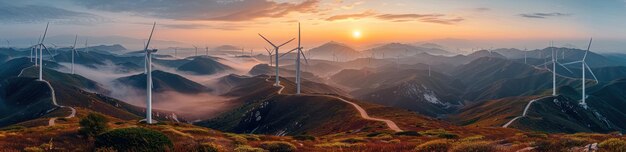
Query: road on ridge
[(523, 113), (392, 125), (51, 122)]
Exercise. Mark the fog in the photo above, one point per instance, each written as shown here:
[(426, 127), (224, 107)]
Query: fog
[(190, 106)]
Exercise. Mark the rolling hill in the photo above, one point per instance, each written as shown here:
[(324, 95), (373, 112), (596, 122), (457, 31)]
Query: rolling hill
[(23, 99), (393, 50), (203, 66), (325, 51), (164, 81)]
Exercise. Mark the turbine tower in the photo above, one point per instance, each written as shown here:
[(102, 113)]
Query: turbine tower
[(584, 66), (41, 47), (300, 53), (148, 59), (207, 50), (73, 51), (196, 50), (276, 47)]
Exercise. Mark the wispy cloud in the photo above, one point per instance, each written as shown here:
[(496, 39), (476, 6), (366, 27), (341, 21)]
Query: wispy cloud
[(430, 18), (36, 13), (367, 13), (212, 10), (482, 9), (544, 15)]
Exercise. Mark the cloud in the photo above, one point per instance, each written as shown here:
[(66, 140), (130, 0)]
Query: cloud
[(351, 6), (544, 15), (429, 18), (37, 13), (213, 10), (367, 13), (482, 9)]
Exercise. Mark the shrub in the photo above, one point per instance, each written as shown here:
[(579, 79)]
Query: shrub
[(246, 148), (613, 144), (33, 149), (336, 145), (209, 147), (537, 135), (448, 135), (352, 140), (473, 138), (373, 134), (134, 139), (13, 128), (93, 124), (278, 146), (570, 142), (477, 146), (237, 139), (304, 137), (434, 146), (544, 145), (408, 133)]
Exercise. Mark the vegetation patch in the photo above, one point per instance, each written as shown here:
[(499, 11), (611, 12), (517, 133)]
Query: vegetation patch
[(408, 133), (247, 148), (613, 144), (278, 146), (304, 137), (441, 145), (337, 145), (476, 146), (93, 124), (210, 147), (134, 139)]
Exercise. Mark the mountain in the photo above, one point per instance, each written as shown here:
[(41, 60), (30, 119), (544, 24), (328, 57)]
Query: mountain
[(412, 89), (115, 48), (264, 69), (164, 81), (393, 50), (23, 99), (557, 114), (13, 68), (203, 66), (3, 58), (494, 78), (325, 51), (73, 80), (263, 111), (226, 48), (320, 69), (564, 55)]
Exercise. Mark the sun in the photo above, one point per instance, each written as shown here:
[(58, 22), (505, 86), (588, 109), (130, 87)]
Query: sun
[(356, 34)]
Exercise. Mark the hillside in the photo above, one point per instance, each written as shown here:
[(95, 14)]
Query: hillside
[(203, 66), (392, 50), (408, 88), (325, 51), (164, 81), (23, 99), (264, 69)]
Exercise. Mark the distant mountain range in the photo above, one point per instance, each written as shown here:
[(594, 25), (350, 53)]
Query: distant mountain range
[(203, 65), (334, 51)]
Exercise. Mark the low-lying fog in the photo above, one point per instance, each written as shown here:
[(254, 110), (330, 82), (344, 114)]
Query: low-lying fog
[(191, 106)]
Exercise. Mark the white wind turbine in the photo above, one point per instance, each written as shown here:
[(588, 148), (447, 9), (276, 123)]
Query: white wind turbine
[(276, 47), (207, 50), (73, 51), (583, 67), (554, 62), (300, 53), (196, 49), (269, 52), (148, 60), (42, 47)]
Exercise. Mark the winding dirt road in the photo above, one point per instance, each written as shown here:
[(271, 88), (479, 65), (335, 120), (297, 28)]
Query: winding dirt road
[(392, 125), (523, 114), (51, 122)]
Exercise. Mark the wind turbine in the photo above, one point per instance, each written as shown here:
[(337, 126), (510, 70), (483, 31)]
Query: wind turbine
[(196, 50), (269, 52), (175, 52), (148, 59), (300, 53), (42, 47), (276, 47), (583, 67), (525, 55), (73, 51), (207, 50)]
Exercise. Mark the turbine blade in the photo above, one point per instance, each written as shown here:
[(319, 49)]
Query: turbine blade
[(287, 42), (570, 71), (48, 51), (588, 47), (287, 52), (571, 62), (44, 33), (150, 38), (75, 38), (304, 56), (268, 41), (592, 74)]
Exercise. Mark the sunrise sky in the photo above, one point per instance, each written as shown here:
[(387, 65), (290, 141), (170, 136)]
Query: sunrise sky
[(464, 23)]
